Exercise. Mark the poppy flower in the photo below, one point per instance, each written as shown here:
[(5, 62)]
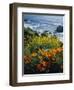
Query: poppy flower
[(49, 56), (59, 49)]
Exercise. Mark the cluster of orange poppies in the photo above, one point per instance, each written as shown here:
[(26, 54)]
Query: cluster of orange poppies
[(49, 53), (41, 53)]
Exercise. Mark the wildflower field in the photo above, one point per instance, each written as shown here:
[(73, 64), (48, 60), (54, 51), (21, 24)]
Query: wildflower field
[(42, 53)]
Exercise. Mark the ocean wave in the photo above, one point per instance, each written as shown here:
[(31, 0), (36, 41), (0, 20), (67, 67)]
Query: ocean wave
[(41, 23)]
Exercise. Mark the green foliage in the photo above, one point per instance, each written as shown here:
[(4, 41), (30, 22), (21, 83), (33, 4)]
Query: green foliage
[(42, 52), (32, 41)]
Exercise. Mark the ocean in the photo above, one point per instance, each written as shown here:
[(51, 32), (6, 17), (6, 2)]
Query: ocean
[(41, 23)]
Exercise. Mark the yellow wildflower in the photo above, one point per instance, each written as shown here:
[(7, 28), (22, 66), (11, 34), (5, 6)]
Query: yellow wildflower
[(33, 54)]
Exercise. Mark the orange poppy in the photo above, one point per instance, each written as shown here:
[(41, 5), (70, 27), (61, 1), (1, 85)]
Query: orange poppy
[(59, 49), (49, 55)]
